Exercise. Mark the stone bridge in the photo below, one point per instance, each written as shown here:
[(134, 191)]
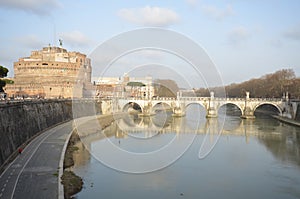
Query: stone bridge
[(211, 104)]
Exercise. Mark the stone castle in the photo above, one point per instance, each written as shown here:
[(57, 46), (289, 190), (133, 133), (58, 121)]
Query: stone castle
[(52, 72)]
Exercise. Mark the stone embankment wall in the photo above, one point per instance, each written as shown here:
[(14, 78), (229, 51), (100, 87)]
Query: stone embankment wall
[(21, 121), (297, 115)]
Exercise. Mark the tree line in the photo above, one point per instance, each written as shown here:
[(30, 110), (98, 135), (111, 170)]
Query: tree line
[(268, 86), (3, 73)]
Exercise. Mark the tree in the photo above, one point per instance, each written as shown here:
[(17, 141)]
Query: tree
[(269, 85), (3, 73), (135, 84)]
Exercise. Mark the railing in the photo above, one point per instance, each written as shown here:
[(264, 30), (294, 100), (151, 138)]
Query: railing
[(194, 99), (6, 103), (142, 98), (34, 100), (229, 99)]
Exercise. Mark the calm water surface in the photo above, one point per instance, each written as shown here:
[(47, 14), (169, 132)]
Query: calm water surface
[(252, 159)]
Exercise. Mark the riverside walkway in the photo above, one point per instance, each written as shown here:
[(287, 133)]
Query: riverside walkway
[(36, 172)]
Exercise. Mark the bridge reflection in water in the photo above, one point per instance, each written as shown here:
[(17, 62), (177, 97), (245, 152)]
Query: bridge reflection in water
[(134, 127), (165, 123), (252, 159)]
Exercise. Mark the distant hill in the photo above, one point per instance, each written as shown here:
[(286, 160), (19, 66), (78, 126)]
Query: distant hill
[(165, 88)]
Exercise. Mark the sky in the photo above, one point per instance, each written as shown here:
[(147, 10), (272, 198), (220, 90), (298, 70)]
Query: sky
[(244, 38)]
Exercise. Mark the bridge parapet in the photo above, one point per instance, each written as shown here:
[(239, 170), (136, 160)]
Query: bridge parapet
[(228, 99), (265, 99)]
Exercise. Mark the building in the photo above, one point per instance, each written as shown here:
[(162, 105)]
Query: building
[(52, 72), (139, 87), (126, 86), (107, 87)]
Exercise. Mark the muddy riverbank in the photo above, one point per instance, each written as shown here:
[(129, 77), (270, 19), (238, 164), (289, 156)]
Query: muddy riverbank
[(71, 182)]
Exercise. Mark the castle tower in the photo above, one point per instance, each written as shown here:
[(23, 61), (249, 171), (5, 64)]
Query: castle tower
[(52, 72)]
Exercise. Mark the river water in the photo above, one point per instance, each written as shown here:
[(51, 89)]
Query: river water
[(225, 157)]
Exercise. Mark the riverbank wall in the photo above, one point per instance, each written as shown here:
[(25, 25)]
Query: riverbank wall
[(291, 115), (297, 115), (22, 121)]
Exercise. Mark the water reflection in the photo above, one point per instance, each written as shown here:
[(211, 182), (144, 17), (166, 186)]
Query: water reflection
[(286, 145), (257, 158), (280, 139), (266, 124)]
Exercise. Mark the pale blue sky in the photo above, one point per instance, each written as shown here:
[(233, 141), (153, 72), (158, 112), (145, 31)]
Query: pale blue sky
[(244, 38)]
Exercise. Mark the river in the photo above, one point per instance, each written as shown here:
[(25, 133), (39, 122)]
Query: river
[(191, 157)]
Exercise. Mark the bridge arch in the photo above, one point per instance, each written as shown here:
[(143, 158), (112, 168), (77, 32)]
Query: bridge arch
[(196, 114), (165, 105), (134, 105), (197, 103), (233, 104), (268, 103)]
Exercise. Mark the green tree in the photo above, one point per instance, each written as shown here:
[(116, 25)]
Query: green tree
[(3, 73), (135, 84)]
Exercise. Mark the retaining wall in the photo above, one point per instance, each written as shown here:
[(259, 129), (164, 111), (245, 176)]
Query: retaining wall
[(20, 121)]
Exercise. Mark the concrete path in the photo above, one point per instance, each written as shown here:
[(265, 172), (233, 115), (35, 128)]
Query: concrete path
[(35, 172)]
